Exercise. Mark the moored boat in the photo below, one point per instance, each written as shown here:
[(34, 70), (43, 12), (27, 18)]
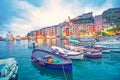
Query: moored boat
[(104, 49), (111, 43), (51, 60), (74, 41), (92, 53), (88, 52), (71, 54), (71, 47), (8, 69)]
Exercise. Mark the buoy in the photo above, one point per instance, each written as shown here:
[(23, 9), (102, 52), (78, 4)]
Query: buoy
[(41, 63)]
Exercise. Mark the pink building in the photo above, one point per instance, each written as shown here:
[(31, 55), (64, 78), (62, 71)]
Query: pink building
[(35, 33), (77, 30), (49, 31), (58, 31), (98, 21), (53, 31)]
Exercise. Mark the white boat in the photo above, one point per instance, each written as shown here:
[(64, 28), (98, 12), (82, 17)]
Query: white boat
[(104, 49), (8, 69), (75, 48), (112, 44), (68, 53), (88, 52), (74, 41)]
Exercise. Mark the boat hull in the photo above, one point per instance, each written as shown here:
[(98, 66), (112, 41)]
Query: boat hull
[(80, 56), (102, 48), (66, 67), (93, 56)]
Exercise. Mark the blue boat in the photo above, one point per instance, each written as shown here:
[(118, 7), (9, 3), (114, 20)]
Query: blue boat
[(51, 60)]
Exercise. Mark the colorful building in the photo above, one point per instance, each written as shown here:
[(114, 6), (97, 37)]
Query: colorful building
[(91, 28), (65, 29), (58, 31), (39, 34), (99, 21), (73, 28)]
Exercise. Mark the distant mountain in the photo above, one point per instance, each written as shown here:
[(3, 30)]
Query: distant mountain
[(112, 15), (84, 18), (2, 39)]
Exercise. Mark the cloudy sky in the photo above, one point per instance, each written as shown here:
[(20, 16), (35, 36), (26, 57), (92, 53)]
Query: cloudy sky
[(22, 16)]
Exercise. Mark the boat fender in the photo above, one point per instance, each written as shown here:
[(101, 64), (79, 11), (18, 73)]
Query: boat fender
[(41, 63), (34, 59)]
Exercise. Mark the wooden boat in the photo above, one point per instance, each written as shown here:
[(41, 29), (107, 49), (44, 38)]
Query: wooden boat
[(8, 69), (51, 60), (71, 54)]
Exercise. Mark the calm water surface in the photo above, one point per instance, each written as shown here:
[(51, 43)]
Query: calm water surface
[(106, 68)]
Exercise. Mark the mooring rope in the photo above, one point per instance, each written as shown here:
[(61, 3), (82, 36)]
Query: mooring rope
[(64, 72)]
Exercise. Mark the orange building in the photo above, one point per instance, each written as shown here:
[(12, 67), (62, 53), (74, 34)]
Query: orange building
[(91, 28)]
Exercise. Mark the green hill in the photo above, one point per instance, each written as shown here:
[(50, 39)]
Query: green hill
[(84, 18), (112, 15)]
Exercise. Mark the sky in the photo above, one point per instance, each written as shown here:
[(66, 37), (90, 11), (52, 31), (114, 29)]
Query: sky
[(23, 16)]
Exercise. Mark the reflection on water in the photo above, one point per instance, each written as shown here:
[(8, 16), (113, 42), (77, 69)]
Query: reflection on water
[(39, 41), (52, 42), (53, 73), (10, 47)]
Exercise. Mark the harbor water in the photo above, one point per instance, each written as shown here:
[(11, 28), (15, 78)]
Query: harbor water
[(106, 68)]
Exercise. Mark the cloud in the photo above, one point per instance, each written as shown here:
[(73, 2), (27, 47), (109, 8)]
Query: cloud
[(18, 26), (56, 11), (51, 13)]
